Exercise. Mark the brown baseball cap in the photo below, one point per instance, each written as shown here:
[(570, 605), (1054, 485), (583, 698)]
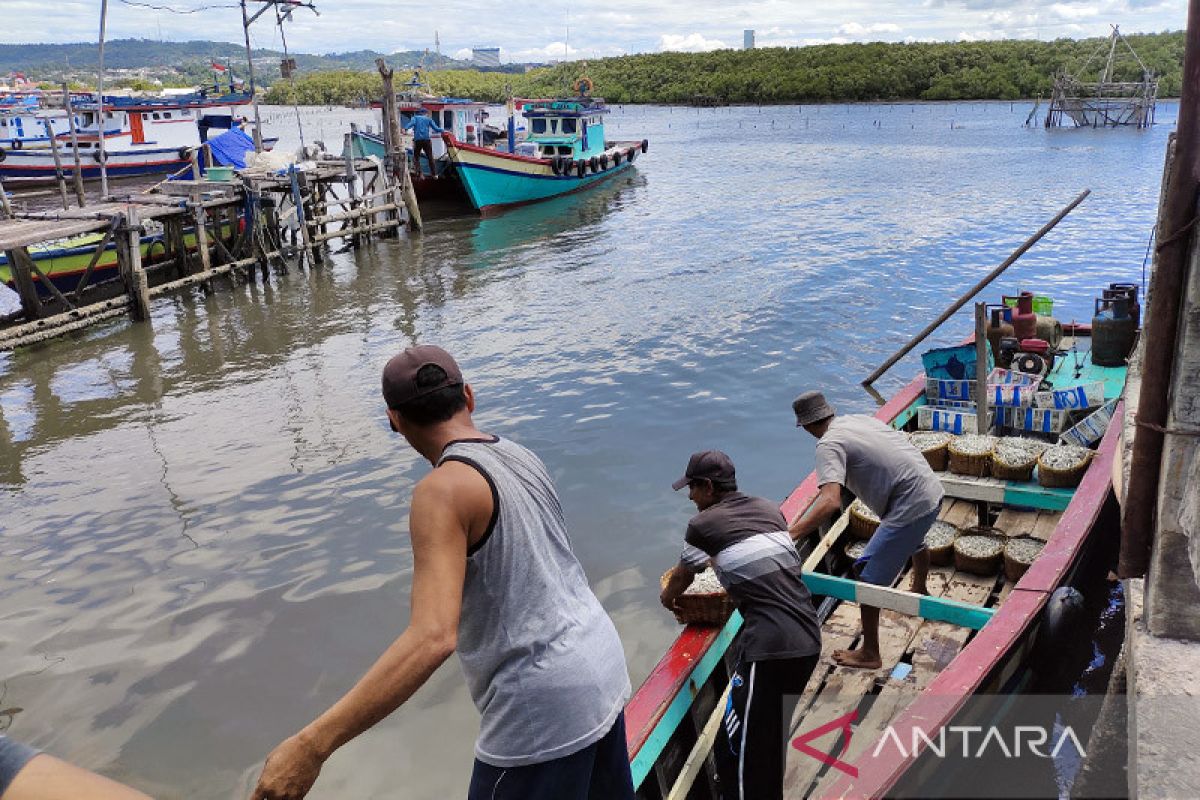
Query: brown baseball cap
[(400, 374), (712, 465)]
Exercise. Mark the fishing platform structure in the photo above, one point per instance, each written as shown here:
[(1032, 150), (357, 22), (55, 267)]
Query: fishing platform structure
[(202, 229), (1104, 103)]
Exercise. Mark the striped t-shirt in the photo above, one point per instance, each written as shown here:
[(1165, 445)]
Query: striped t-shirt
[(757, 563)]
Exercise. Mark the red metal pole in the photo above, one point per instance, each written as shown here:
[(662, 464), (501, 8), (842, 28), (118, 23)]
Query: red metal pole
[(1174, 236)]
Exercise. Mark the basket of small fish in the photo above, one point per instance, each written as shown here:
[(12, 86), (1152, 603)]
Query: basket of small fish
[(971, 454), (1019, 554), (978, 552), (939, 541), (1063, 466), (705, 602), (934, 445), (862, 521), (1015, 457)]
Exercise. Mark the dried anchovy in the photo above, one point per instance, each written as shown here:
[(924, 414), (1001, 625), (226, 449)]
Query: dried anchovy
[(863, 510), (705, 583), (941, 534), (978, 546), (1023, 549), (856, 549), (929, 440), (1064, 456), (973, 444), (1015, 451)]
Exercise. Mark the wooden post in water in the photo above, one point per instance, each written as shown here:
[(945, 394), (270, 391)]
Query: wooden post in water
[(981, 369), (200, 219), (58, 167), (4, 206), (31, 306), (80, 195), (352, 187)]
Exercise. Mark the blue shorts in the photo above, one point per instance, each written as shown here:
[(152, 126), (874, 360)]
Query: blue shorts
[(599, 771), (13, 758), (890, 547)]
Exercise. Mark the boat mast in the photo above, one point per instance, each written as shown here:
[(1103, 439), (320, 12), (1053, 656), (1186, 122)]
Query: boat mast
[(102, 127)]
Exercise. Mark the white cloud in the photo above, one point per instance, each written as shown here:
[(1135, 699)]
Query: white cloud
[(858, 29), (1064, 11), (691, 43), (463, 54)]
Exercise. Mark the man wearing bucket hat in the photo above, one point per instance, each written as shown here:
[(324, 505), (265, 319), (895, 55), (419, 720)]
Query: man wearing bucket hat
[(879, 465), (495, 580), (745, 539)]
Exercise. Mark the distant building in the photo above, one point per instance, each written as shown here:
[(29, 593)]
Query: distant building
[(485, 56), (748, 39)]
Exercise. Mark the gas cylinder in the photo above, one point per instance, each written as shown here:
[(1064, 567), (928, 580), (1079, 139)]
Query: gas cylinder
[(1129, 290), (1113, 332), (1049, 329), (998, 328), (1023, 319)]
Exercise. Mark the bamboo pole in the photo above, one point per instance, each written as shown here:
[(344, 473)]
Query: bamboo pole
[(80, 195), (4, 206), (974, 290), (981, 370), (101, 124), (59, 177)]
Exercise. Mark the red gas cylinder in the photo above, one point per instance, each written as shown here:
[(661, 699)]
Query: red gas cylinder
[(1023, 319)]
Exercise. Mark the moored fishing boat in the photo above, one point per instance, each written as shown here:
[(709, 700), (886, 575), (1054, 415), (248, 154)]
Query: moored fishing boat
[(142, 136), (65, 262), (565, 151), (976, 634)]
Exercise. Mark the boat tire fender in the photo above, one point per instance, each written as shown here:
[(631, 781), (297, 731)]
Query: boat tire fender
[(17, 144), (99, 156), (3, 155), (633, 151), (581, 168), (1061, 620), (185, 153), (645, 145), (604, 161), (556, 165), (617, 159), (594, 164)]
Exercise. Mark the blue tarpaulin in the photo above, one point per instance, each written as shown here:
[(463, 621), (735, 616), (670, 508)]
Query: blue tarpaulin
[(230, 148)]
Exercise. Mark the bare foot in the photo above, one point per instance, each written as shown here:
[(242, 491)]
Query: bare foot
[(858, 659)]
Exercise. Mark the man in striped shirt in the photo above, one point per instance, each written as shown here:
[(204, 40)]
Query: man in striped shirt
[(745, 540)]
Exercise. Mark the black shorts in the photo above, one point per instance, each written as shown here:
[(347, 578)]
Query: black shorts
[(751, 744), (599, 771)]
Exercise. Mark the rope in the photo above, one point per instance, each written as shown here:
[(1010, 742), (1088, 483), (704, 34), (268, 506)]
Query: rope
[(291, 72), (1177, 234), (1172, 431)]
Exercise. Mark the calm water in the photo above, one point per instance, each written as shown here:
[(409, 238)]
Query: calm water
[(204, 537)]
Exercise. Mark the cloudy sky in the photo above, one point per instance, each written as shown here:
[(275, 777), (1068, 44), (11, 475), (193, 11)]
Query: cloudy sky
[(525, 31)]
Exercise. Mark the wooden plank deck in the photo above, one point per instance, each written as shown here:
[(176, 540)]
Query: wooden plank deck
[(914, 654)]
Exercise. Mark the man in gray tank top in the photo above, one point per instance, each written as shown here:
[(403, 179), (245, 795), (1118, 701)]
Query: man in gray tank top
[(494, 578)]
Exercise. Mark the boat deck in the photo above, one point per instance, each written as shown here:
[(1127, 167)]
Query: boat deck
[(914, 651)]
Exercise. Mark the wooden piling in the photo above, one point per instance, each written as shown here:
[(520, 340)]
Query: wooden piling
[(80, 195), (31, 305), (58, 167)]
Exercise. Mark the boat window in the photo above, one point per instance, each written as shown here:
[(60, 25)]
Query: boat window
[(564, 150), (539, 125), (166, 115), (569, 126), (447, 119)]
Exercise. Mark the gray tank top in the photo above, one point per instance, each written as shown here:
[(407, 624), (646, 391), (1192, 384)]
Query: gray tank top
[(542, 659)]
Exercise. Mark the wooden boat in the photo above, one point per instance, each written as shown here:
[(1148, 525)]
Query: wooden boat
[(142, 136), (565, 151), (979, 636), (65, 262)]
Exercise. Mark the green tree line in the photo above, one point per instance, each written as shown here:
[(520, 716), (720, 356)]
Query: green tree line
[(998, 70)]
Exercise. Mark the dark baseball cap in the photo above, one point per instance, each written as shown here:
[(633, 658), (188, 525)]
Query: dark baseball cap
[(400, 374), (712, 465)]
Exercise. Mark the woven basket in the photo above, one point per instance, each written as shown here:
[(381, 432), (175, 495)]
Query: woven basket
[(1053, 478), (858, 526), (1014, 569), (979, 466), (978, 565), (942, 556), (854, 549), (938, 457), (712, 608), (1005, 472)]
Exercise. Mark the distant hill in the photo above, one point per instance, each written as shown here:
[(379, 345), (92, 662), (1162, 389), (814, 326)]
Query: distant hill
[(53, 61)]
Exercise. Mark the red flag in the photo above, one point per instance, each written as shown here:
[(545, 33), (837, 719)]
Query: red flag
[(218, 67)]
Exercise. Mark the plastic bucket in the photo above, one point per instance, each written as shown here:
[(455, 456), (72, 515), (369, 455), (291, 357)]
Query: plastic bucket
[(1041, 304), (218, 174)]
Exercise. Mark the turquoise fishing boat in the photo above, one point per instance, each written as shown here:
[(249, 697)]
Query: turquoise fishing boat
[(566, 151)]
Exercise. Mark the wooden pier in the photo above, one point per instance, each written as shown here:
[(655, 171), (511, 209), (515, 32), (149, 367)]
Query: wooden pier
[(1104, 103), (186, 233)]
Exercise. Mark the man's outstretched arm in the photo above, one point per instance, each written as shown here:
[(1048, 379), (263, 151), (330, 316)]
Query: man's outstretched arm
[(440, 522), (827, 504)]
